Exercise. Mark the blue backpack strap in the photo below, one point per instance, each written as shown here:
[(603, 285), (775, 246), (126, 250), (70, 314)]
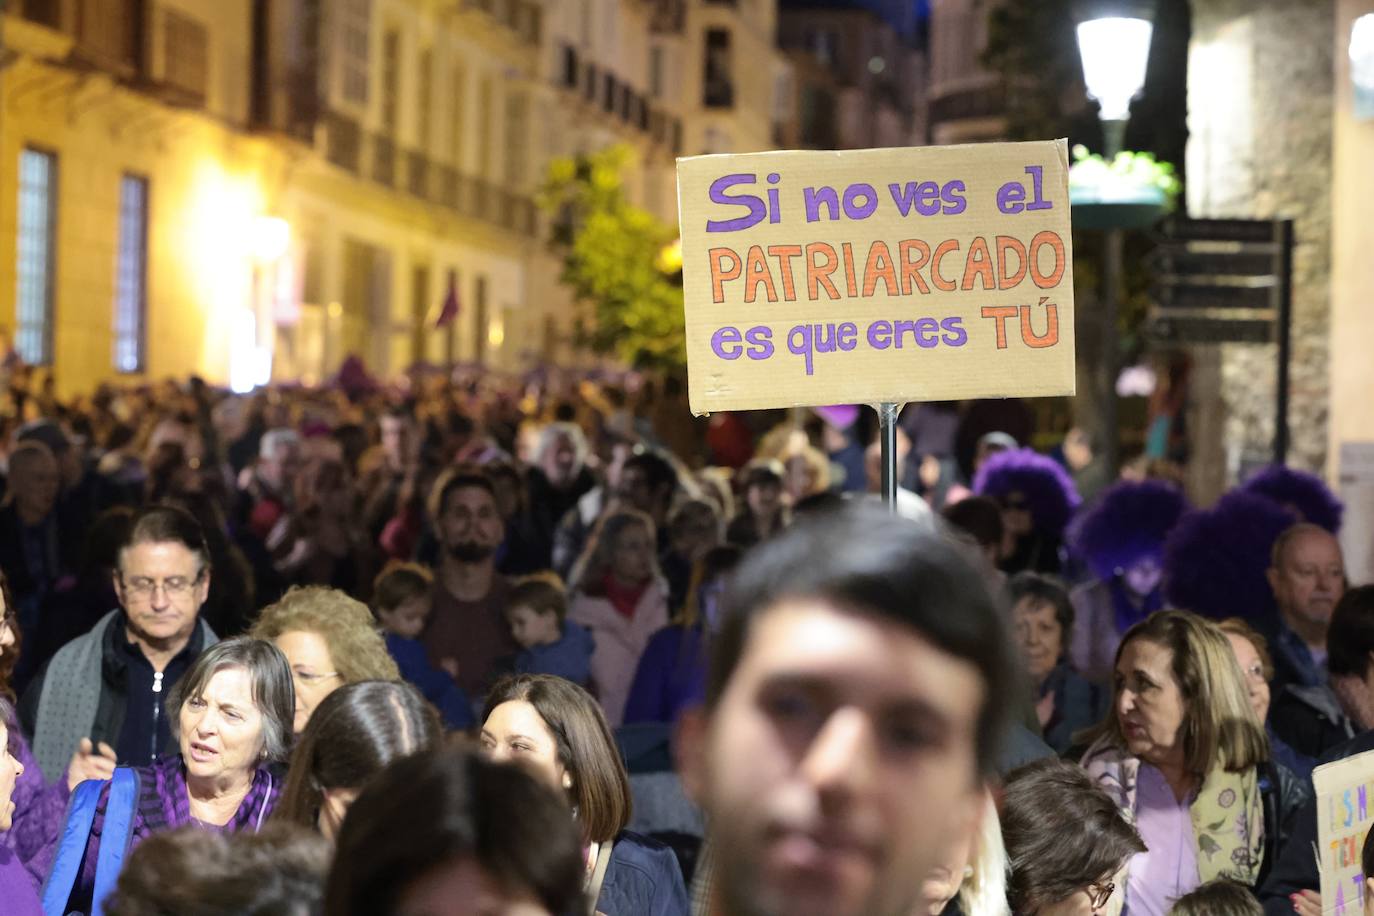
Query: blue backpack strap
[(116, 835), (71, 848)]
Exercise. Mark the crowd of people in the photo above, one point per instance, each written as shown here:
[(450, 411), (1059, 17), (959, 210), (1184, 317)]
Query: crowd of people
[(548, 645)]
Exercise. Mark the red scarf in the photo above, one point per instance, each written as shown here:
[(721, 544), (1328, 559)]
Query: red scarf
[(624, 598)]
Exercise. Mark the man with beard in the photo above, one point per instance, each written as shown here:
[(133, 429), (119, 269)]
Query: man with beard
[(859, 688), (467, 633)]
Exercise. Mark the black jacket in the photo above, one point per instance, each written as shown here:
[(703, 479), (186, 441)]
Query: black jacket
[(1310, 720), (1296, 868)]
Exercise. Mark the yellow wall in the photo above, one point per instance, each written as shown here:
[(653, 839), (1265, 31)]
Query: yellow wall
[(1352, 275), (206, 183)]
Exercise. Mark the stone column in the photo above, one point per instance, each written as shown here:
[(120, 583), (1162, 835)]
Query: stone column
[(1260, 103)]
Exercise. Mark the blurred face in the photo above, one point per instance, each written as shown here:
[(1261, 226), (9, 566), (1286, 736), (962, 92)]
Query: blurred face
[(801, 478), (161, 587), (764, 499), (632, 557), (1149, 704), (470, 527), (694, 536), (634, 489), (1310, 578), (312, 671), (7, 637), (1253, 669), (1016, 517), (560, 461), (1142, 577), (943, 882), (532, 627), (10, 771), (279, 469), (836, 763), (407, 619), (1040, 636), (516, 733), (34, 481), (396, 436), (464, 888), (221, 729)]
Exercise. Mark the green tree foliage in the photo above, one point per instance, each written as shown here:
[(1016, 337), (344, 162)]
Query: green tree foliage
[(612, 261)]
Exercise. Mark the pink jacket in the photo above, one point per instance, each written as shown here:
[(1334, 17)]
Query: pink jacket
[(620, 641)]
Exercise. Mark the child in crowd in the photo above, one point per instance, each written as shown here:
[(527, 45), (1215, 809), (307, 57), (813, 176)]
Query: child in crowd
[(401, 603), (537, 612)]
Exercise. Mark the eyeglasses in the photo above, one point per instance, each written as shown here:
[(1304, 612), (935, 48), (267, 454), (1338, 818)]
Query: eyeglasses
[(173, 586), (1099, 894), (311, 678)]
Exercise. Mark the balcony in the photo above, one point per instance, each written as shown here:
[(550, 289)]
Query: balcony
[(435, 183), (522, 18)]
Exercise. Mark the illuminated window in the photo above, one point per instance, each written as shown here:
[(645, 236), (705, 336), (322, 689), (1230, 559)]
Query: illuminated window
[(36, 256), (131, 275), (355, 20)]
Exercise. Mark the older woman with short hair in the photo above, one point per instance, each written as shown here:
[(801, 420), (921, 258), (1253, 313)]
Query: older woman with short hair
[(232, 712), (558, 730), (329, 640), (1186, 761)]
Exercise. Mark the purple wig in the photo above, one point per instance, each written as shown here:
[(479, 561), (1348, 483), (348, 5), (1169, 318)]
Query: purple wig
[(1214, 562), (1304, 493), (1048, 489), (1129, 523)]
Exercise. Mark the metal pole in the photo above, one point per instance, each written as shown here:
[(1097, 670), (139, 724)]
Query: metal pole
[(887, 430), (1113, 136), (1111, 280), (1284, 235)]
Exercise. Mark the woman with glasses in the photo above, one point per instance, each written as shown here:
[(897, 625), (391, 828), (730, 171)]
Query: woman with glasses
[(1065, 841), (1186, 761), (1252, 654), (329, 640)]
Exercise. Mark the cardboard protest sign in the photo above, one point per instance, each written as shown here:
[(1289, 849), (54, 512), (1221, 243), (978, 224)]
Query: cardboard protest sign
[(865, 276), (1345, 790)]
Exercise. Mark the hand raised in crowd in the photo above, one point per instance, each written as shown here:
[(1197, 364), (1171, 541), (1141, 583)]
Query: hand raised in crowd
[(1307, 903), (91, 762)]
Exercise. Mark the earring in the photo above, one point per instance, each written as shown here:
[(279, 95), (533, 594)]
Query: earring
[(567, 781)]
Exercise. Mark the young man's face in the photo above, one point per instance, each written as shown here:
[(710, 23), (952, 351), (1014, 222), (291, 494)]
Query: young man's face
[(835, 764)]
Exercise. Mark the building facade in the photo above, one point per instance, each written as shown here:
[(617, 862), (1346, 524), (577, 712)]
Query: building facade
[(254, 189)]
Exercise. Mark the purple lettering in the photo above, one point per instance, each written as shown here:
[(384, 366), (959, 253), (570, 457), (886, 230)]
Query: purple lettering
[(755, 205), (727, 336)]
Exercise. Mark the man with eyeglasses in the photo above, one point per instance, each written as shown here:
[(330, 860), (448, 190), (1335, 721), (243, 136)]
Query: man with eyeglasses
[(104, 692)]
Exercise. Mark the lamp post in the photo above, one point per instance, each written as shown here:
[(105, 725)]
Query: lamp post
[(1114, 44)]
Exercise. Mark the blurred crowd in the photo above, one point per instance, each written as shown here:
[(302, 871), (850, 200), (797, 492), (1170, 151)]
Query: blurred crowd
[(548, 644)]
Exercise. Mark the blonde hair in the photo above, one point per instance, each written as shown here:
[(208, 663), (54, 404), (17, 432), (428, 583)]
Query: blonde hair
[(984, 893), (1219, 725), (345, 624)]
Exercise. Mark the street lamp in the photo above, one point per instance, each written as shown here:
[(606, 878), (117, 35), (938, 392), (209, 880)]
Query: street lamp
[(1114, 43)]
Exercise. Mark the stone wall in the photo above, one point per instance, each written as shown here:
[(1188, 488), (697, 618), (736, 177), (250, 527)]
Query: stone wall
[(1260, 102)]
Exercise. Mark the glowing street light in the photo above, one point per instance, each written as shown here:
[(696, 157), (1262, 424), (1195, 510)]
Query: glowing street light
[(1114, 43)]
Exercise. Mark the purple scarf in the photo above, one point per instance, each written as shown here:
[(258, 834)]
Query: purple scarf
[(170, 779)]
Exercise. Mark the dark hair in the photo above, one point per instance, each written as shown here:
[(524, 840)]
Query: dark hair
[(1367, 857), (162, 524), (447, 805), (866, 558), (270, 678), (453, 479), (1062, 833), (1042, 590), (1218, 898), (761, 474), (658, 471), (399, 583), (1350, 638), (9, 657), (353, 734), (600, 787), (979, 516), (278, 871), (541, 592)]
